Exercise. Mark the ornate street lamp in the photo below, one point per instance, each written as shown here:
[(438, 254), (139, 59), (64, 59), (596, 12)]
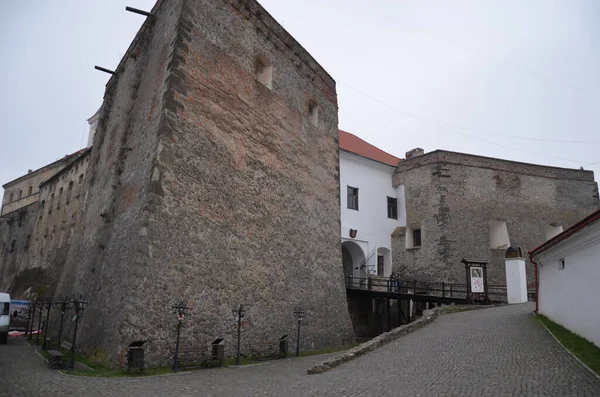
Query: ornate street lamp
[(48, 305), (299, 314), (180, 308), (63, 304), (40, 304), (78, 303), (238, 315)]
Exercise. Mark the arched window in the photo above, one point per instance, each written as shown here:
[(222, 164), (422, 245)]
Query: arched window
[(313, 113), (80, 179), (264, 71)]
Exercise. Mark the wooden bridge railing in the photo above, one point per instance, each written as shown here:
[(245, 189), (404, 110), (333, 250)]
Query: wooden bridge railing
[(447, 290)]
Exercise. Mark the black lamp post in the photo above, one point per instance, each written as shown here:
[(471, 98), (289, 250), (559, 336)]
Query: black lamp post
[(78, 303), (37, 337), (48, 305), (62, 304), (238, 314), (299, 314), (180, 308), (28, 318)]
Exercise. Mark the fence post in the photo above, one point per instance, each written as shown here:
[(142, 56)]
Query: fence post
[(443, 289)]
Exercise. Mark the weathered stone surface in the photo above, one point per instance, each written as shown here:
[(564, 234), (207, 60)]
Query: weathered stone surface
[(453, 196), (206, 185)]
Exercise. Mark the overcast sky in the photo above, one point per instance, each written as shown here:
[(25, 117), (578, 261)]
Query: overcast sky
[(502, 78)]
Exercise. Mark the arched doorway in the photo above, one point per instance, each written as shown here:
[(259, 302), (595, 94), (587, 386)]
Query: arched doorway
[(353, 257)]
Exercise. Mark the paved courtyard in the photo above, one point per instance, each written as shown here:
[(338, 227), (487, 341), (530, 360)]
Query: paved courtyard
[(493, 352)]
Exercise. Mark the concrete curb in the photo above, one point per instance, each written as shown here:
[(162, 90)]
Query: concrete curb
[(565, 349), (386, 337)]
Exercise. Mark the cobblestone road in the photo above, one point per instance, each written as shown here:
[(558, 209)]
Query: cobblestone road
[(493, 352)]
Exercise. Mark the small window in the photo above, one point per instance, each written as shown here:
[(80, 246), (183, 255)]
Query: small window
[(498, 234), (561, 264), (416, 235), (380, 262), (80, 179), (27, 241), (11, 198), (313, 113), (20, 194), (392, 207), (352, 198), (13, 243), (264, 71), (30, 191)]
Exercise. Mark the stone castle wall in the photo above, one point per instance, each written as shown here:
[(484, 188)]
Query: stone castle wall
[(42, 232), (207, 185), (454, 196)]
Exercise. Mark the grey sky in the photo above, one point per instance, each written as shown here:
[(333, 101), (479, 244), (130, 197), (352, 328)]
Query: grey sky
[(440, 74)]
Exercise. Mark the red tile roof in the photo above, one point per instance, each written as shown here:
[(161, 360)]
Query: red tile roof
[(587, 221), (353, 144)]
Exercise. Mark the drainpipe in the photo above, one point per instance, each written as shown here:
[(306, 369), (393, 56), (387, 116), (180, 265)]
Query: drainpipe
[(537, 284)]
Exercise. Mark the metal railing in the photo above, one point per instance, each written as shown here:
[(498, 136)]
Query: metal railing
[(496, 293)]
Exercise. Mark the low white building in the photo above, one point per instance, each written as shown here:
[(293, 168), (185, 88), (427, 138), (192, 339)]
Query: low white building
[(371, 209), (569, 278)]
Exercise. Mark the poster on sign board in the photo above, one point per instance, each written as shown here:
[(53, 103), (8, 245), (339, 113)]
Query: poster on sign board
[(477, 279)]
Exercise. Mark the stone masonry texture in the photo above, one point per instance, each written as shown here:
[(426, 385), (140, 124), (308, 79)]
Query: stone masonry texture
[(453, 196), (206, 185)]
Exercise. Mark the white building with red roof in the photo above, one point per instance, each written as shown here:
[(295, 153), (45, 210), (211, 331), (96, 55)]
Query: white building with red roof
[(371, 208), (568, 277)]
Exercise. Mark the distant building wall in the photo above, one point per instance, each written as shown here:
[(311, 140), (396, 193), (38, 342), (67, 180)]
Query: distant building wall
[(42, 231), (474, 207), (568, 283), (24, 190)]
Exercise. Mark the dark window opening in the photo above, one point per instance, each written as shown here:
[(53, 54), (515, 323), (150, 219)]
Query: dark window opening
[(5, 308), (12, 245), (30, 190), (353, 198), (380, 262), (561, 264), (416, 237), (27, 241), (392, 207)]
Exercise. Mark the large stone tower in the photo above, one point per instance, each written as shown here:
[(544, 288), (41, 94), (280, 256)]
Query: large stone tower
[(214, 178)]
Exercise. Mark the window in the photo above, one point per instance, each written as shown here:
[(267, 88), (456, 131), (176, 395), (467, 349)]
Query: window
[(69, 191), (498, 235), (5, 308), (392, 207), (27, 241), (352, 198), (20, 194), (561, 264), (80, 179), (552, 230), (380, 265), (264, 72), (30, 190), (416, 236), (313, 113), (60, 192), (11, 198)]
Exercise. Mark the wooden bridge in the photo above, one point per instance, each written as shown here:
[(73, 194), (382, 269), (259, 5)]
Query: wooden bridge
[(413, 296)]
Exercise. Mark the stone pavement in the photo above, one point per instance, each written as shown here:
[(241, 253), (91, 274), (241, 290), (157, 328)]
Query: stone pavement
[(493, 352)]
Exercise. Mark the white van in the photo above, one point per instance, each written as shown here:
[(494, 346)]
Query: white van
[(4, 317)]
